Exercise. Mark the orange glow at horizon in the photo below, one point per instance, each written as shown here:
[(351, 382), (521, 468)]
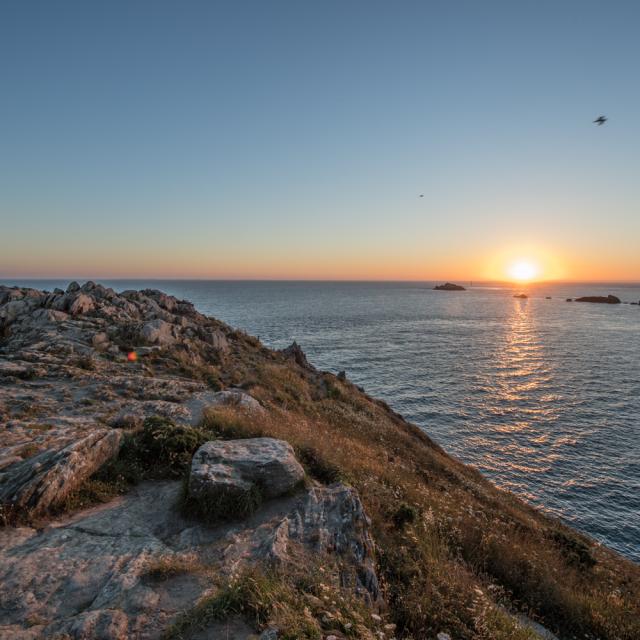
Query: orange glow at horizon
[(524, 264), (523, 271), (457, 261)]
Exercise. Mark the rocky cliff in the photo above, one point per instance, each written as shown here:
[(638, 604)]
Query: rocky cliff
[(163, 475)]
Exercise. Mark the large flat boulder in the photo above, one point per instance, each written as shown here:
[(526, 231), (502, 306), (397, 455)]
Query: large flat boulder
[(237, 469)]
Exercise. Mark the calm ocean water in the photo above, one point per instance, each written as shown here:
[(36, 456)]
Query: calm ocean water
[(543, 396)]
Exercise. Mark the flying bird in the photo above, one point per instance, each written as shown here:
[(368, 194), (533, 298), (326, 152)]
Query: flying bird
[(600, 120), (422, 195)]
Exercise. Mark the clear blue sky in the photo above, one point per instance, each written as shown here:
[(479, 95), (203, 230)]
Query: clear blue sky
[(293, 139)]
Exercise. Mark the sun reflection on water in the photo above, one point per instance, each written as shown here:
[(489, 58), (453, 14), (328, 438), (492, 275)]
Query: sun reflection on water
[(522, 401)]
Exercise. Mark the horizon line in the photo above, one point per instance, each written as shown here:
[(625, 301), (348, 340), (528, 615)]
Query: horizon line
[(332, 280)]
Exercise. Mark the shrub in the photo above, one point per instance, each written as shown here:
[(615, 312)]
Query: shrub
[(224, 504), (86, 363), (573, 549), (405, 514), (167, 445), (294, 599), (160, 449)]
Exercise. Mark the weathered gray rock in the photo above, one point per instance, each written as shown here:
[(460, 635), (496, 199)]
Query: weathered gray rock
[(198, 403), (235, 398), (81, 304), (158, 332), (218, 340), (87, 575), (237, 466), (35, 484), (331, 519), (100, 340)]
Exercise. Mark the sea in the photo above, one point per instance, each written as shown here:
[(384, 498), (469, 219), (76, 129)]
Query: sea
[(540, 394)]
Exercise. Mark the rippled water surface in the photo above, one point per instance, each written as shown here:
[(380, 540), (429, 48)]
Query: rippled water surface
[(541, 395)]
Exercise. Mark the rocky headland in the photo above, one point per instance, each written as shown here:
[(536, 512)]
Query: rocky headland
[(163, 475)]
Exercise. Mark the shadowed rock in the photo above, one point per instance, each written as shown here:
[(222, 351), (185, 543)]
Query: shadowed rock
[(331, 519), (295, 352)]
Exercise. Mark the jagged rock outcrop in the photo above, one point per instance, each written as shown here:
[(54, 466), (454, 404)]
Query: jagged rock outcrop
[(295, 352), (331, 519), (124, 320), (236, 468)]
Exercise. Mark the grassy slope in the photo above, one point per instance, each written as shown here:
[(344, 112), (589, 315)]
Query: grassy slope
[(452, 548), (454, 552)]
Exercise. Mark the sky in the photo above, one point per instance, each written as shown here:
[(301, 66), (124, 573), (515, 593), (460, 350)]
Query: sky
[(273, 139)]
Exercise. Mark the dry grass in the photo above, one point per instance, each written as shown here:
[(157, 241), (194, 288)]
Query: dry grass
[(301, 602), (444, 533), (455, 554), (168, 566)]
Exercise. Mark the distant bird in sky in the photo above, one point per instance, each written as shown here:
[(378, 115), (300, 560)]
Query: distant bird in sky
[(422, 195), (600, 120)]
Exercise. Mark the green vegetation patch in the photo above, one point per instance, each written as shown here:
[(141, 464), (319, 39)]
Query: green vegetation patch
[(166, 446), (222, 504)]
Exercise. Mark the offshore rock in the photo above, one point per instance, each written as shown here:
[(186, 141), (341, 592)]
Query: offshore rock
[(601, 299), (449, 286)]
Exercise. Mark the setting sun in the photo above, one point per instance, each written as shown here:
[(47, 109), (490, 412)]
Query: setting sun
[(523, 270)]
